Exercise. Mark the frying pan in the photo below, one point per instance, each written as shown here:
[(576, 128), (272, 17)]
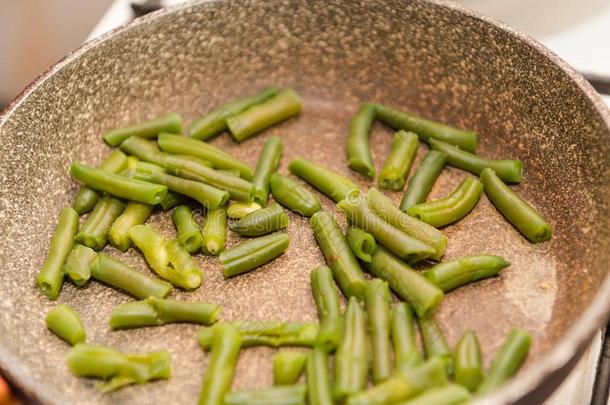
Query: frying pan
[(432, 58)]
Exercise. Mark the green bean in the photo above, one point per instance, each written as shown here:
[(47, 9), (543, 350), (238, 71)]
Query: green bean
[(268, 162), (51, 275), (86, 198), (463, 270), (329, 183), (214, 231), (135, 213), (351, 359), (426, 129), (402, 325), (148, 129), (361, 243), (261, 222), (179, 145), (468, 362), (119, 186), (358, 149), (78, 264), (518, 212), (405, 246), (95, 230), (318, 381), (345, 268), (386, 210), (238, 210), (283, 395), (88, 360), (451, 394), (288, 366), (154, 311), (326, 297), (284, 105), (166, 258), (406, 282), (172, 199), (434, 341), (508, 170), (144, 150), (66, 324), (452, 208), (266, 333), (189, 235), (377, 300), (253, 253), (293, 196), (508, 360), (215, 121), (404, 385), (398, 163), (423, 179)]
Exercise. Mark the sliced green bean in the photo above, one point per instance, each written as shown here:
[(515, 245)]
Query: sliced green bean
[(421, 182), (147, 129), (326, 297), (345, 268), (238, 210), (268, 162), (361, 243), (283, 395), (329, 183), (189, 235), (402, 325), (398, 163), (410, 285), (451, 394), (508, 170), (135, 213), (86, 197), (78, 264), (293, 196), (518, 212), (215, 121), (377, 300), (261, 222), (358, 148), (171, 200), (51, 275), (318, 380), (426, 129), (288, 366), (508, 360), (266, 333), (180, 145), (469, 362), (463, 270), (144, 150), (95, 230), (253, 253), (65, 322), (452, 208), (283, 105), (434, 341), (214, 231)]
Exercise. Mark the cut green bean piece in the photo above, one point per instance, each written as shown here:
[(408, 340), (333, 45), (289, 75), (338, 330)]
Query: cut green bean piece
[(410, 285), (261, 222), (508, 170), (434, 341), (283, 395), (253, 253), (51, 275), (451, 394), (426, 129), (268, 162), (66, 324), (172, 199), (452, 208), (189, 235), (288, 367), (358, 148), (398, 163), (214, 231), (421, 182), (518, 212), (88, 360), (94, 232), (469, 362), (266, 333), (135, 213), (78, 264), (361, 243), (463, 270), (508, 360), (144, 150), (118, 275), (377, 300), (326, 297), (86, 197), (148, 129), (293, 196), (329, 183), (345, 268), (402, 325), (318, 380), (238, 210), (284, 105), (180, 145)]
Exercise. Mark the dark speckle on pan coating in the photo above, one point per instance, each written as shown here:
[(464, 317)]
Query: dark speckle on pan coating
[(428, 58)]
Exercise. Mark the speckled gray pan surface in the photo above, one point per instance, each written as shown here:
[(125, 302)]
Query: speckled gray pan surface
[(429, 58)]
